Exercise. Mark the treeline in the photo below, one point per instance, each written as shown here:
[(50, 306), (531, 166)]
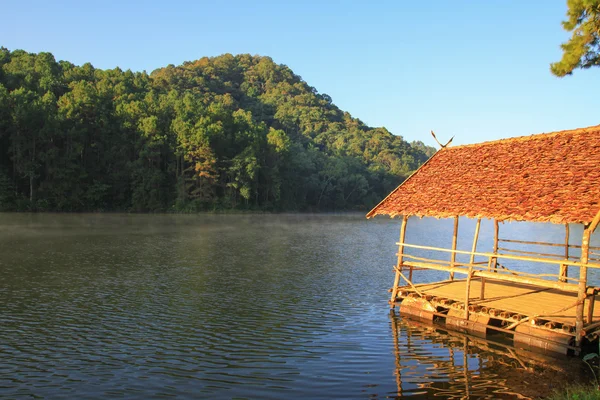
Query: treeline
[(229, 132)]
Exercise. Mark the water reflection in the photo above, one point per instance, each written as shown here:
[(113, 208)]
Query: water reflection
[(433, 362)]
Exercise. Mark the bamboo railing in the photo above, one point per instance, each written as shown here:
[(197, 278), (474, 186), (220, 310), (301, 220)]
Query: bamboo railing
[(488, 269), (482, 270)]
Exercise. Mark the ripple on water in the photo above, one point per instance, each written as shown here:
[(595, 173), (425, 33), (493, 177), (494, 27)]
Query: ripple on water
[(220, 307)]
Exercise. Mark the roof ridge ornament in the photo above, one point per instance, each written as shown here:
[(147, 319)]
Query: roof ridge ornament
[(443, 146)]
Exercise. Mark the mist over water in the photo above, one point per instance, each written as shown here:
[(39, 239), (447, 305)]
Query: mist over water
[(230, 306)]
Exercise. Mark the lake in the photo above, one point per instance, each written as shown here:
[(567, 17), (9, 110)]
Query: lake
[(236, 306)]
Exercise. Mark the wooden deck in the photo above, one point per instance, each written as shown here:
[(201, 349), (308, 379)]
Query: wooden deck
[(522, 299), (537, 317)]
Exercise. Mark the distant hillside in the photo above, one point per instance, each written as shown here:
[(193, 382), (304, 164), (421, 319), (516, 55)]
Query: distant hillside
[(229, 132)]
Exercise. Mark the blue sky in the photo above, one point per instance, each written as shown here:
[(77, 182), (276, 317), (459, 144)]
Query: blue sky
[(476, 70)]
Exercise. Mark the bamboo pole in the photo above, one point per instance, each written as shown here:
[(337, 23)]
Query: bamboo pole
[(470, 275), (478, 264), (412, 285), (472, 259), (573, 246), (567, 287), (493, 261), (400, 261), (591, 303), (586, 245), (410, 269), (475, 239), (590, 328), (454, 241), (440, 265), (496, 234), (506, 256), (468, 292), (593, 226), (564, 269), (545, 315), (535, 253), (582, 292)]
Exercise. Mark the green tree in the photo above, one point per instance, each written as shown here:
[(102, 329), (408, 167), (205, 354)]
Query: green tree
[(582, 50), (234, 131)]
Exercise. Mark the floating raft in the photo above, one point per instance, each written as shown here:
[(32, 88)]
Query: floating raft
[(536, 317)]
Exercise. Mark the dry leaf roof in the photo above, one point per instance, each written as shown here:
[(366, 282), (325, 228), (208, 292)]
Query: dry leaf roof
[(551, 177)]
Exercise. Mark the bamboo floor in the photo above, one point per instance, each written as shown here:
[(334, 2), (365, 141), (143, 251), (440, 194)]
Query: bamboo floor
[(525, 300)]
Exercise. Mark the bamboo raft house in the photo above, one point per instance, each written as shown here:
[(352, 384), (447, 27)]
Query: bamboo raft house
[(545, 178)]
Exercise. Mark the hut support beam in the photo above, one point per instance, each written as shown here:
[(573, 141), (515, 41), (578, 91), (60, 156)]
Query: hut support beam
[(582, 292), (475, 239), (454, 240), (585, 252), (564, 269), (470, 274), (493, 261), (400, 262), (496, 235), (468, 292), (472, 260)]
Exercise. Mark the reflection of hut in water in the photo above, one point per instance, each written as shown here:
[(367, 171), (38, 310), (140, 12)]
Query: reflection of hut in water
[(550, 177), (431, 362)]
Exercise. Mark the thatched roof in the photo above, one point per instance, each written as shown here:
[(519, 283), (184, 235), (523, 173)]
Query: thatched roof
[(551, 177)]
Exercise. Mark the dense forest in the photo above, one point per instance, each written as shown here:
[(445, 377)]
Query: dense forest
[(229, 132)]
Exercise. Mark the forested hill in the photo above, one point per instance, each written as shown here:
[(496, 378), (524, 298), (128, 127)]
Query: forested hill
[(229, 132)]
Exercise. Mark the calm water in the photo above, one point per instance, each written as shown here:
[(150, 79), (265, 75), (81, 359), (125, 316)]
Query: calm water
[(262, 306)]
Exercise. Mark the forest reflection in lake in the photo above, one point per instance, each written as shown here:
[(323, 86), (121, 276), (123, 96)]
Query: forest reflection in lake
[(227, 306)]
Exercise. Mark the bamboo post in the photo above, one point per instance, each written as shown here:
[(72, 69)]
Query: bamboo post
[(590, 310), (493, 262), (454, 240), (468, 292), (400, 262), (582, 292), (496, 232), (564, 269), (472, 259), (475, 238), (470, 275)]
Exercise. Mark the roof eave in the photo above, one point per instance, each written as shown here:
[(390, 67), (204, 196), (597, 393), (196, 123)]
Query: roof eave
[(373, 211)]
